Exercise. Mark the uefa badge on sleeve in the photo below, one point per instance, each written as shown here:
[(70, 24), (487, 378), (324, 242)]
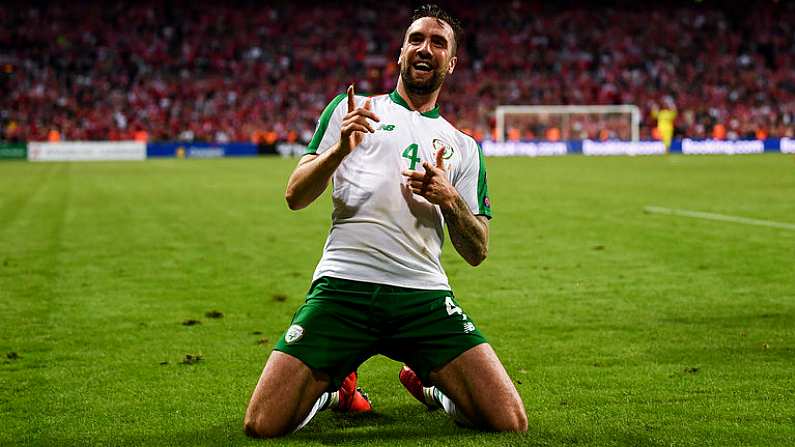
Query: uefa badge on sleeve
[(293, 334)]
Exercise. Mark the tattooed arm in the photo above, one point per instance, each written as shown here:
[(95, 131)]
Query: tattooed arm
[(468, 232)]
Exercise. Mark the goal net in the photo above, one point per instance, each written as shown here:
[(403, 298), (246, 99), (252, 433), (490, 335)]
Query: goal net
[(561, 123)]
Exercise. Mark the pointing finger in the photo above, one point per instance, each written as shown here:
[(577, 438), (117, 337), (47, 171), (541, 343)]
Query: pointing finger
[(351, 102), (440, 158)]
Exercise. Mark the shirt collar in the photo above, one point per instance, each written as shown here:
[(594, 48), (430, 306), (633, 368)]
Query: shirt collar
[(397, 99)]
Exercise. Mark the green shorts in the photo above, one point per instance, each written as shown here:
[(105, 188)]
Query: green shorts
[(343, 323)]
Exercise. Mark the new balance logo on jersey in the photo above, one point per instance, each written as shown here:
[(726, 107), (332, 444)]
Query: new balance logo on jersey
[(386, 127), (469, 327)]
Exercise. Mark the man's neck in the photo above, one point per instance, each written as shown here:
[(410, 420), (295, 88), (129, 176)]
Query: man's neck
[(420, 103)]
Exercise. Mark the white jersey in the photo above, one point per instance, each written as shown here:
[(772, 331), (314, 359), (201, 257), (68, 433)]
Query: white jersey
[(381, 232)]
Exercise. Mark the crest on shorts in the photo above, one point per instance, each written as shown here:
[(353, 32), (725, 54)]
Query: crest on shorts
[(293, 334), (441, 144)]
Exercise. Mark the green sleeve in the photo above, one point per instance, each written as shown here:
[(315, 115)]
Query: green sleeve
[(322, 124)]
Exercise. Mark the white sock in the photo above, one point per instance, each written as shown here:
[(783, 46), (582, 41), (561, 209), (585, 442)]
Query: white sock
[(436, 395), (326, 400)]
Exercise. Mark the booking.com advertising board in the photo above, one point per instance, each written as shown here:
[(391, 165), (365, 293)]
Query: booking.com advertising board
[(133, 150), (200, 150), (685, 146)]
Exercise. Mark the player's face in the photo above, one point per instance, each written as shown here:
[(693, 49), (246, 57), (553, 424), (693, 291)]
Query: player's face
[(427, 55)]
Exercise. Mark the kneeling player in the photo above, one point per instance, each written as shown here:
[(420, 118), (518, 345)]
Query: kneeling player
[(400, 174)]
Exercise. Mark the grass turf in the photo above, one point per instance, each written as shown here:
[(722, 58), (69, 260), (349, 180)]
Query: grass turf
[(618, 327)]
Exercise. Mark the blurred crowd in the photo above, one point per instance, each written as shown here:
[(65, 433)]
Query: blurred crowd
[(263, 72)]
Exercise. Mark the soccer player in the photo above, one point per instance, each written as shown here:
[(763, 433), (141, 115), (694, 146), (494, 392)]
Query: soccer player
[(399, 173)]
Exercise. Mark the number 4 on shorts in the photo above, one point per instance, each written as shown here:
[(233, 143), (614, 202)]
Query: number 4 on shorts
[(452, 308), (411, 153)]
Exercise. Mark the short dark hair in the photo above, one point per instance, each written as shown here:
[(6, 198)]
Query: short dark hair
[(435, 11)]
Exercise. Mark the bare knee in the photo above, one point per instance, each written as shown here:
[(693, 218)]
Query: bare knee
[(480, 386), (511, 419), (517, 420), (258, 426), (284, 395)]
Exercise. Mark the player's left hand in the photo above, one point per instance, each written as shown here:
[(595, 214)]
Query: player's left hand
[(433, 183)]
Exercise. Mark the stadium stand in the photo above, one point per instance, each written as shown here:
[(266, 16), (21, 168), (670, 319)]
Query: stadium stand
[(201, 71)]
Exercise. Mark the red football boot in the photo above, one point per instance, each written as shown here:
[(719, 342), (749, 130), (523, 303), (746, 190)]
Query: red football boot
[(414, 386), (351, 397)]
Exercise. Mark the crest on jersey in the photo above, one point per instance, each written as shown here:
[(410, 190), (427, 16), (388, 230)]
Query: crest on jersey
[(293, 334), (441, 144)]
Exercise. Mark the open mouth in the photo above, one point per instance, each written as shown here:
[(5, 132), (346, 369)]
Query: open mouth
[(422, 66)]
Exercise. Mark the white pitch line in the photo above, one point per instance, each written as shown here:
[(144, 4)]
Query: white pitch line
[(720, 217)]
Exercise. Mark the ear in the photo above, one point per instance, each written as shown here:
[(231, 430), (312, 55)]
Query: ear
[(453, 61)]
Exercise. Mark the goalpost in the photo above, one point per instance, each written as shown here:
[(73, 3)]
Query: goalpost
[(613, 122)]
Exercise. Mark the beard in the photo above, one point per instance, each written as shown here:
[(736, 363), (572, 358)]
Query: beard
[(422, 87)]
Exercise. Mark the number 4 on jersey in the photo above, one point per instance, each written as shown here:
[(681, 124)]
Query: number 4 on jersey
[(411, 153)]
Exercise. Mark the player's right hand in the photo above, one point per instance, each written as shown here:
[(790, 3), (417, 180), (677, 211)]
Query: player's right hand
[(355, 124)]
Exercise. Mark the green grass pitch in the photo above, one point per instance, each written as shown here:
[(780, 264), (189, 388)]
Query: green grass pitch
[(618, 327)]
